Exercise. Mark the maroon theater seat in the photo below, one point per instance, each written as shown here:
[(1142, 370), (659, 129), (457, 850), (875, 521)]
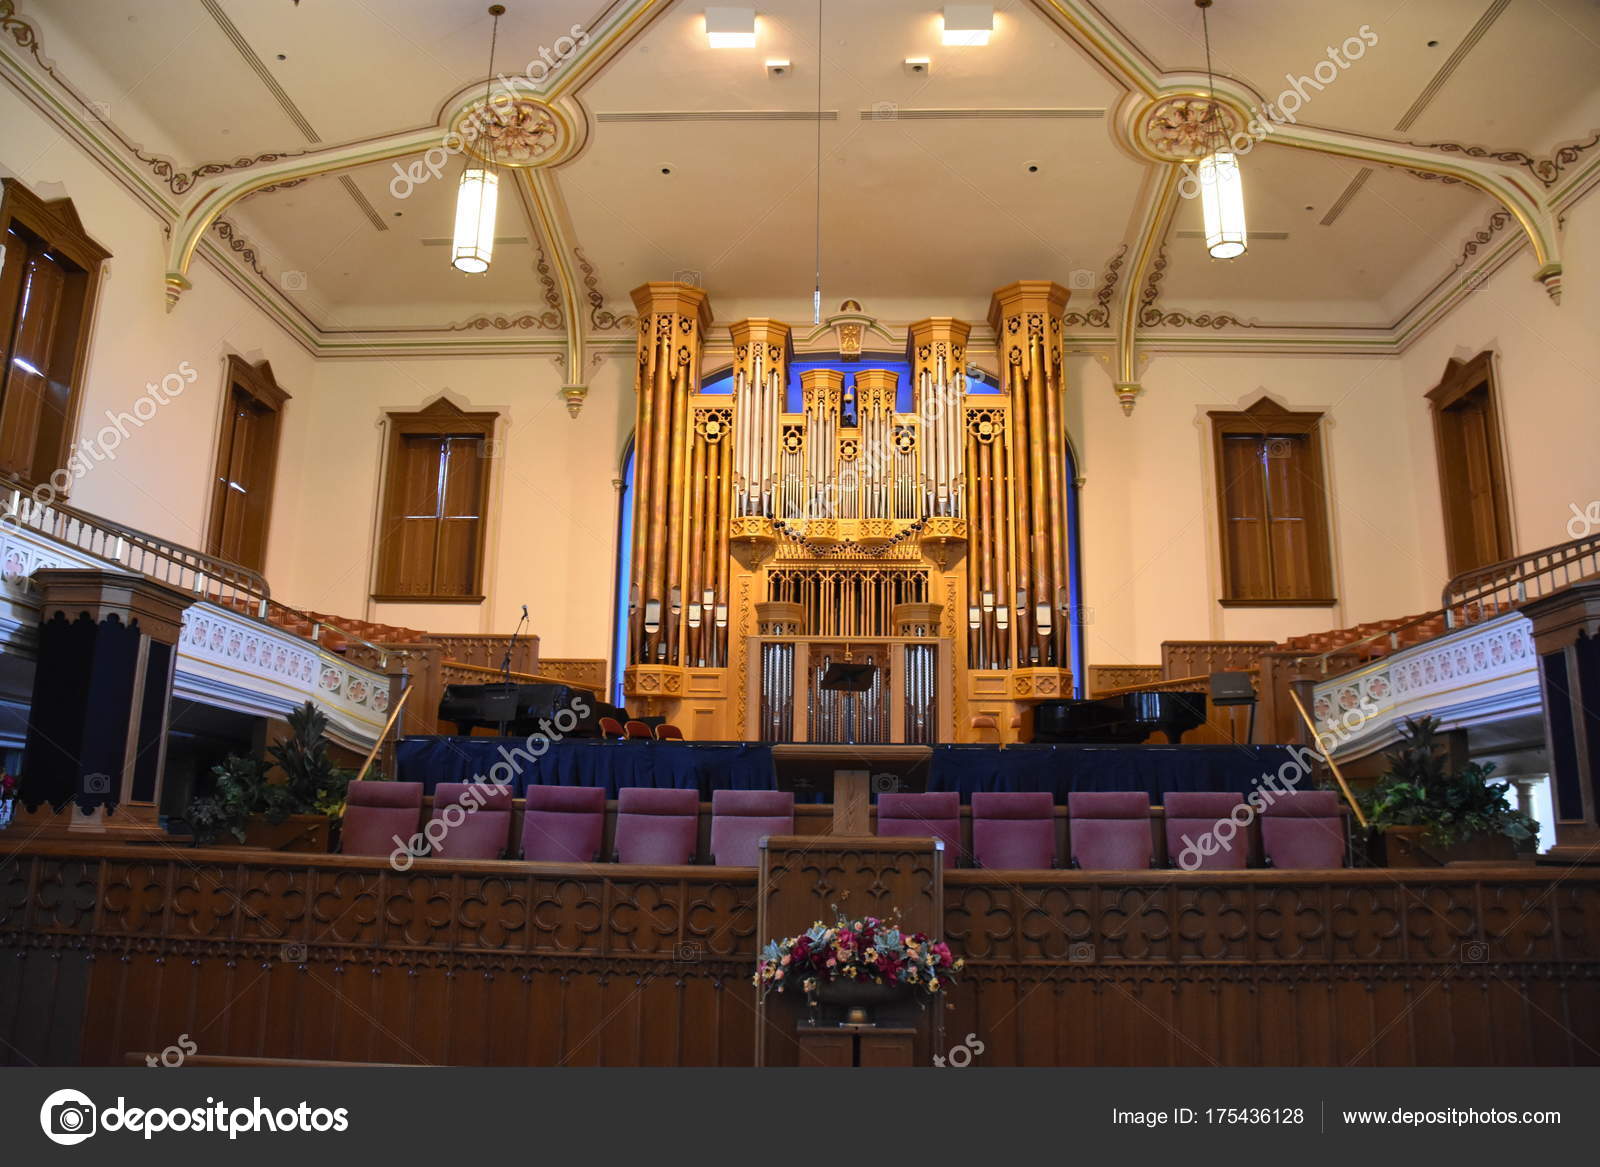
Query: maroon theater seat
[(376, 812), (1110, 830), (913, 815), (1303, 829), (657, 826), (1191, 816), (1014, 830), (638, 731), (485, 830), (740, 819), (668, 733), (611, 727), (563, 824)]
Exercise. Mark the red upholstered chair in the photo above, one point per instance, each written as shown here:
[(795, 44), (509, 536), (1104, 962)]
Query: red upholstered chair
[(668, 733), (483, 829), (611, 727), (563, 824), (375, 812), (637, 730), (657, 826), (1303, 829), (911, 815), (1109, 830), (1192, 815), (1014, 830), (740, 819)]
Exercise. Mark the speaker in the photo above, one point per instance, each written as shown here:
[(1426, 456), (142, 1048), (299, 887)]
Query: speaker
[(1232, 689)]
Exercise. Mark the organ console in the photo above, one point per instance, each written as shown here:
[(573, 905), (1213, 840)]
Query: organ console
[(922, 524)]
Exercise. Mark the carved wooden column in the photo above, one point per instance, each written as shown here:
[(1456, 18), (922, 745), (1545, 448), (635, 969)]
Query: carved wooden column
[(1026, 317), (97, 727), (1566, 635), (673, 318)]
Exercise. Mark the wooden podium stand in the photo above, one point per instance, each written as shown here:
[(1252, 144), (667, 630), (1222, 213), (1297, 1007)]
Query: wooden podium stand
[(803, 879)]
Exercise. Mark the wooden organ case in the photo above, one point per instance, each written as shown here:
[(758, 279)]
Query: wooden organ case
[(768, 545)]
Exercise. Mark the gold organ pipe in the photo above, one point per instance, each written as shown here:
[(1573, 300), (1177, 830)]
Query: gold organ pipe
[(693, 545)]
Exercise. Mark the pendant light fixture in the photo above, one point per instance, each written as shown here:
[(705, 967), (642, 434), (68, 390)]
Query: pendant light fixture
[(1221, 185), (478, 193), (816, 288)]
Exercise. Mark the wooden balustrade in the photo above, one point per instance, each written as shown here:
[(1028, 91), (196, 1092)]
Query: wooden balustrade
[(110, 949)]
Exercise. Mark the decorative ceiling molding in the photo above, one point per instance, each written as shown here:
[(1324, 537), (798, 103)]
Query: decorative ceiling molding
[(1151, 316), (292, 111), (1154, 218), (599, 316), (215, 195), (1547, 170), (720, 115), (1100, 315)]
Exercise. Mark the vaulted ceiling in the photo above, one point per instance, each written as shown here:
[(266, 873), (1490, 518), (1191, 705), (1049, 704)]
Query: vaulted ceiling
[(1000, 162)]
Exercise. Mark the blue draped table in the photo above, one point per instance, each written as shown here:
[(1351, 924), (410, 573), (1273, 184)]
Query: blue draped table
[(702, 766), (1061, 769)]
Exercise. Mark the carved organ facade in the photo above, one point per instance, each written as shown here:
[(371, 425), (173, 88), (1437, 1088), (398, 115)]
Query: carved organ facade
[(801, 520)]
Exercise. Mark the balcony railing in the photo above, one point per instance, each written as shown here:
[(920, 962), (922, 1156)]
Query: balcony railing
[(1487, 593), (209, 577), (1503, 587)]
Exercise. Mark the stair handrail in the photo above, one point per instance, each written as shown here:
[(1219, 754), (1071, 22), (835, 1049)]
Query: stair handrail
[(1484, 584), (1471, 597), (208, 576)]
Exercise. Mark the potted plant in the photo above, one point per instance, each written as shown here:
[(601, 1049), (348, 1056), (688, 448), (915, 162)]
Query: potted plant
[(856, 965), (1428, 815), (295, 812)]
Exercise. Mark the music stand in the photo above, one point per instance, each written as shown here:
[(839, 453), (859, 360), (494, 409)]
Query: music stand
[(498, 704), (849, 678)]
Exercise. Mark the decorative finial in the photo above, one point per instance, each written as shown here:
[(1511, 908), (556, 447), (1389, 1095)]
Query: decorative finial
[(574, 396), (1127, 393)]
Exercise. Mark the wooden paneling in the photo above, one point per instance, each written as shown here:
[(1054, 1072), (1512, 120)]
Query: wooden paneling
[(112, 949)]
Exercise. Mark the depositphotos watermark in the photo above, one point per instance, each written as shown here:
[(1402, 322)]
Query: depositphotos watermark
[(551, 730), (1290, 102), (432, 164), (102, 447), (68, 1117)]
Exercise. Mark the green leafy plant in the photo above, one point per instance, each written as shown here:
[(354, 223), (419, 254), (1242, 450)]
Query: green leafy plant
[(1420, 790), (244, 789), (314, 783)]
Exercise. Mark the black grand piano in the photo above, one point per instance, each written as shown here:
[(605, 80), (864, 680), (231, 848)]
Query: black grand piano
[(1126, 719), (520, 708)]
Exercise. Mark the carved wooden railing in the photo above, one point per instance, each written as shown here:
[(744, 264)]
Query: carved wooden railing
[(1488, 592), (106, 949)]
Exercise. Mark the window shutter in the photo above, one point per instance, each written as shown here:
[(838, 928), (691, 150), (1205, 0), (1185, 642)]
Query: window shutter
[(1245, 512)]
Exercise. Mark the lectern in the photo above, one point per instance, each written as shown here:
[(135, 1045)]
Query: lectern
[(806, 878)]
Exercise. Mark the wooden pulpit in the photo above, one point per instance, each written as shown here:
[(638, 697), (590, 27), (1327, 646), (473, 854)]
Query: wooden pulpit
[(806, 878)]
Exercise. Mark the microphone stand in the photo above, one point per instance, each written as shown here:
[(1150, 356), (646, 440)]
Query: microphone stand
[(505, 666)]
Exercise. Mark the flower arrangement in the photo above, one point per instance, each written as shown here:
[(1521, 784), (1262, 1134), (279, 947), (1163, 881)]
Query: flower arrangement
[(8, 792), (865, 951)]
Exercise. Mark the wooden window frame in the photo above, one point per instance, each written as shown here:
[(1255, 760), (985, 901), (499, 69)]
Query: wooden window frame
[(440, 419), (261, 386), (56, 222), (1266, 418), (1459, 379)]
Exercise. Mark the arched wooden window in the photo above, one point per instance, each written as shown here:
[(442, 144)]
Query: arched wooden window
[(1273, 507), (436, 505)]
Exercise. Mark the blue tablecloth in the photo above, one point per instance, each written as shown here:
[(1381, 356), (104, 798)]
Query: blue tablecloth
[(703, 766), (1064, 768)]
